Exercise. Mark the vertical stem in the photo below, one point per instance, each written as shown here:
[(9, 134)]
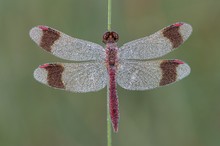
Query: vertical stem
[(109, 14), (109, 130)]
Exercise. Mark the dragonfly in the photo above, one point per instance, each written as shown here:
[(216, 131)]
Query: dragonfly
[(95, 67)]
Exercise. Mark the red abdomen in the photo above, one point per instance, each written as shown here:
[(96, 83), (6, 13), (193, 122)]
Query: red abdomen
[(113, 101)]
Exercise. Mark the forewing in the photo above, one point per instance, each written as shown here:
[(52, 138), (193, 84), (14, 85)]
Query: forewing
[(64, 46), (157, 44), (75, 77), (144, 75)]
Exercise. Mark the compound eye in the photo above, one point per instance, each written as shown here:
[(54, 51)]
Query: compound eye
[(106, 36), (115, 36)]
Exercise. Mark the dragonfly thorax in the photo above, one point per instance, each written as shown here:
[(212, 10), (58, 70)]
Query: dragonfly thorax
[(110, 37), (111, 54)]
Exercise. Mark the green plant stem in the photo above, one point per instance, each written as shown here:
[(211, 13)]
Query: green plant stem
[(109, 130), (109, 14)]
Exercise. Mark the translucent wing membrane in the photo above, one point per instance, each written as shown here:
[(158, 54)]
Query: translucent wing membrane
[(157, 44), (76, 77), (64, 46), (143, 75)]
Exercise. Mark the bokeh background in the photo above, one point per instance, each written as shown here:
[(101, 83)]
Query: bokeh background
[(183, 114)]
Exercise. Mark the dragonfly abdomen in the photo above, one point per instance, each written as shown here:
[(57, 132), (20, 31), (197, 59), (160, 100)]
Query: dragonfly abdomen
[(113, 101)]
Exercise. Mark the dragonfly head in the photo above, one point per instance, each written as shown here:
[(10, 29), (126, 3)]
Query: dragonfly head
[(110, 37)]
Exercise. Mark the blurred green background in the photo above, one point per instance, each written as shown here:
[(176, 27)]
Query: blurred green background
[(183, 114)]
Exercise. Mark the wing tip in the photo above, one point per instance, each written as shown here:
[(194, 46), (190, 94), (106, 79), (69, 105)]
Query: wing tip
[(40, 74), (185, 29), (36, 33), (35, 30), (183, 70)]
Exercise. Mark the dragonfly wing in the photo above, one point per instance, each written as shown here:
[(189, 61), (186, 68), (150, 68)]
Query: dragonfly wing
[(144, 75), (157, 44), (64, 46), (75, 77)]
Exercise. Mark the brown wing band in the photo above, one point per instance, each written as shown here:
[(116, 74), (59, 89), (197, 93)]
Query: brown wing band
[(169, 72), (48, 38), (54, 76), (173, 34)]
